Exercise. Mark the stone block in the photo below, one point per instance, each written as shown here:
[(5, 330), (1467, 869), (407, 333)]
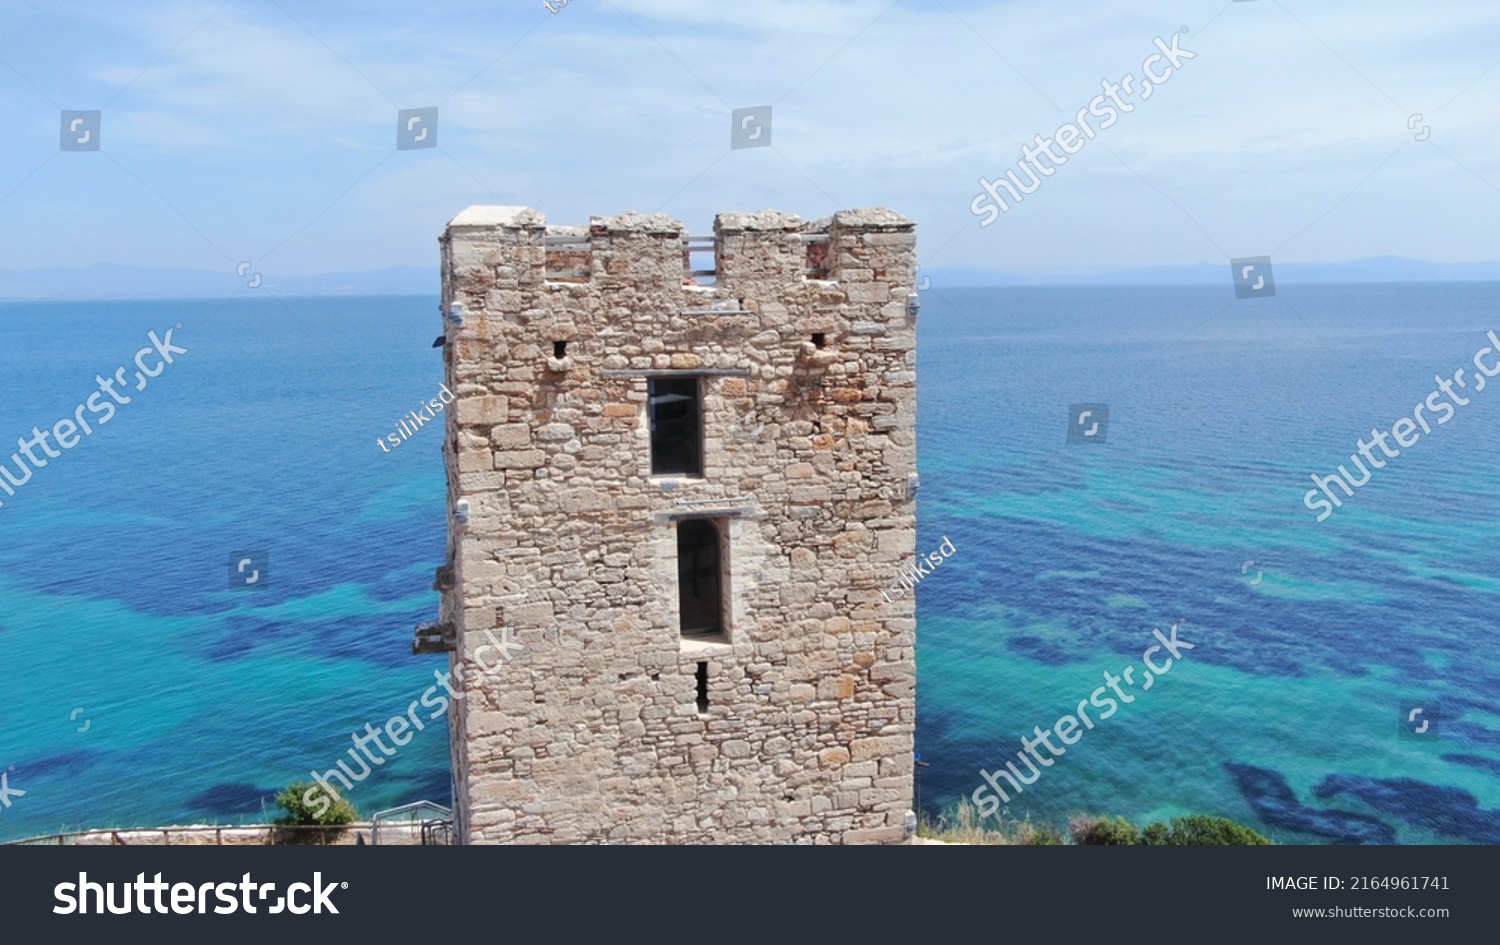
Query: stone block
[(867, 749), (529, 615), (485, 411), (475, 461), (833, 757), (519, 459), (510, 436)]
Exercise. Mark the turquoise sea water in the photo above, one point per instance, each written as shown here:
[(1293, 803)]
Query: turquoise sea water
[(1287, 713), (200, 701)]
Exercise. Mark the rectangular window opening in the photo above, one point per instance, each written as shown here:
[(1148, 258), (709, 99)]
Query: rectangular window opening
[(675, 405), (700, 584), (819, 340), (817, 248), (702, 688), (568, 255), (700, 261), (560, 349)]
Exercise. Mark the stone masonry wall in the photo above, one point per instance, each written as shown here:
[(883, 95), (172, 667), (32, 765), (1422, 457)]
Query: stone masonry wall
[(592, 732)]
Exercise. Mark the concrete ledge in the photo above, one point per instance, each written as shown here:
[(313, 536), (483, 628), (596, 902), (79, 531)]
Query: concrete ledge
[(762, 221), (694, 651), (514, 217), (877, 835)]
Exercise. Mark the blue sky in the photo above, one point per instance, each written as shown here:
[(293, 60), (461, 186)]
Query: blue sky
[(265, 131)]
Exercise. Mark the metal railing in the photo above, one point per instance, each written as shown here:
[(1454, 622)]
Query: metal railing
[(243, 835), (699, 245), (438, 833), (567, 246), (424, 822), (817, 245)]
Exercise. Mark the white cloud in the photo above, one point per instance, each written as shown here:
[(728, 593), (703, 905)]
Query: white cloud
[(252, 126)]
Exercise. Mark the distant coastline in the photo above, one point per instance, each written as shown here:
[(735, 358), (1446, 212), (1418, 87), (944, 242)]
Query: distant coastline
[(110, 282)]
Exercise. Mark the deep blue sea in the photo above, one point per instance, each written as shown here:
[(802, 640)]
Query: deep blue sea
[(199, 702)]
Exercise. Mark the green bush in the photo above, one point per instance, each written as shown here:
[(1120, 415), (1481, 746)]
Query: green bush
[(1202, 830), (1044, 835), (323, 812), (963, 824), (1106, 831), (299, 813)]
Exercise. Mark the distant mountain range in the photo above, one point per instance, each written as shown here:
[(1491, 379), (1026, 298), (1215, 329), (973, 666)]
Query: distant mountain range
[(1376, 269), (108, 281)]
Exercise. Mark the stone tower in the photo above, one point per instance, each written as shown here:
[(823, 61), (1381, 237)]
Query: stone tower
[(680, 470)]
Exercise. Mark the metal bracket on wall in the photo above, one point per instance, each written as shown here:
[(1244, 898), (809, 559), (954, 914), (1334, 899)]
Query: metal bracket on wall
[(434, 638)]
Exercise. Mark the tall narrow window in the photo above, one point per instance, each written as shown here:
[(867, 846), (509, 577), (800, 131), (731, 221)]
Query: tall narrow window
[(676, 426), (699, 578)]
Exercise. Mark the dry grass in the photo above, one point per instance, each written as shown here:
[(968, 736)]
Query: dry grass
[(963, 824)]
